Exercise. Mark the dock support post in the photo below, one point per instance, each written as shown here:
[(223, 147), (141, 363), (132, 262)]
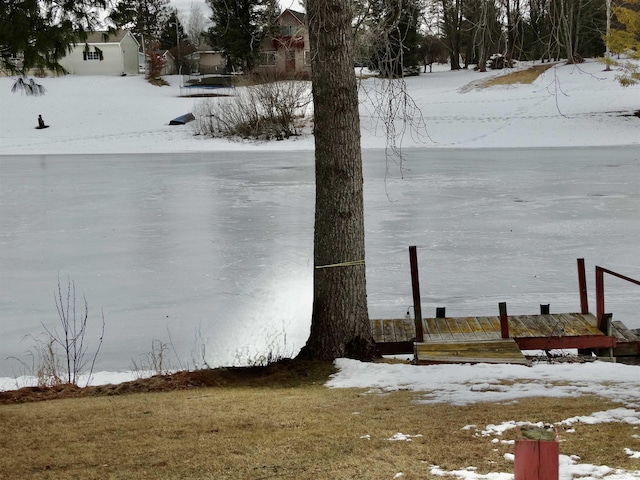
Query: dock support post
[(607, 329), (504, 320), (415, 288), (599, 297), (545, 308), (582, 285), (441, 312)]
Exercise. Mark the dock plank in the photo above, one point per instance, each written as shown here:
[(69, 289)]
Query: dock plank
[(480, 351), (389, 331), (432, 330), (409, 328), (376, 328), (517, 327), (622, 333), (477, 328), (491, 326), (456, 328), (587, 318), (570, 327), (588, 322), (539, 325), (466, 327)]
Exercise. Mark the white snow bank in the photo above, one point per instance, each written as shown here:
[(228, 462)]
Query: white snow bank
[(465, 384)]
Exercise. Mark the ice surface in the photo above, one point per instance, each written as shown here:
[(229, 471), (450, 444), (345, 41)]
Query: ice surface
[(221, 243)]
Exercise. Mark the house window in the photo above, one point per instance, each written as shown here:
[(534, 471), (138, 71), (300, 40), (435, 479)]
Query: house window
[(287, 30), (307, 58), (267, 59), (92, 56)]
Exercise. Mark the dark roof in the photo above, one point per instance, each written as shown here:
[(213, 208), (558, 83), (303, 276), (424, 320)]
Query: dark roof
[(106, 37), (301, 17)]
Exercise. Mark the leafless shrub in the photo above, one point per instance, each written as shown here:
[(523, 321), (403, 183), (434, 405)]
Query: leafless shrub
[(275, 351), (44, 364), (73, 334), (154, 362), (51, 367), (264, 108), (199, 350)]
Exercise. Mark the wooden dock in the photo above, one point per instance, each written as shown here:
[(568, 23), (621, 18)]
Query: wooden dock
[(501, 339), (627, 341), (480, 339)]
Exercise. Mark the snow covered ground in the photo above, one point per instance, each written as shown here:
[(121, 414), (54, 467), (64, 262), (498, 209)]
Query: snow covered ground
[(567, 106)]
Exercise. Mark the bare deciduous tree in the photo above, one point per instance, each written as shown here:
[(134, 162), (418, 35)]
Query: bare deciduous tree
[(196, 25)]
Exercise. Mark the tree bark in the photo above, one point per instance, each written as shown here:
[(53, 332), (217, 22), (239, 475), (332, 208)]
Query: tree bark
[(340, 324)]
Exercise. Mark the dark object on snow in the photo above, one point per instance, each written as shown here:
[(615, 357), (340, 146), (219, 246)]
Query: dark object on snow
[(41, 124), (497, 61), (182, 119)]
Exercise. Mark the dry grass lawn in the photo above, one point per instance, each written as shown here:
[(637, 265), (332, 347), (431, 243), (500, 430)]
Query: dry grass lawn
[(520, 76), (280, 429)]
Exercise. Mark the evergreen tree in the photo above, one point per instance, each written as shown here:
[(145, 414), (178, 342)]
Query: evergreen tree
[(625, 40), (174, 38), (397, 49), (38, 33), (145, 18), (238, 28), (172, 33)]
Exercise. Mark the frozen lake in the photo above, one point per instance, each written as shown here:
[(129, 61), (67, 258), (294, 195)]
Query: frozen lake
[(215, 250)]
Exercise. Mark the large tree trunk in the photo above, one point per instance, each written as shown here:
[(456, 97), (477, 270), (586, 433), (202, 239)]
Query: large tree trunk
[(452, 19), (340, 322)]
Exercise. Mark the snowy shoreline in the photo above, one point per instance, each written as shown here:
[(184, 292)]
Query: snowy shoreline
[(567, 106)]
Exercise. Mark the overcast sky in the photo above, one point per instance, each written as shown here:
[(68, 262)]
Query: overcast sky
[(184, 6)]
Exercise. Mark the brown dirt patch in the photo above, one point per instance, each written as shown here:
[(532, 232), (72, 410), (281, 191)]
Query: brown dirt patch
[(521, 76), (286, 373)]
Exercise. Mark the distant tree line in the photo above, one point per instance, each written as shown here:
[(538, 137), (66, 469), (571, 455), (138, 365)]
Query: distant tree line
[(393, 37), (411, 33)]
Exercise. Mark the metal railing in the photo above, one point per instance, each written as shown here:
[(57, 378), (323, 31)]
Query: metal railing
[(600, 291)]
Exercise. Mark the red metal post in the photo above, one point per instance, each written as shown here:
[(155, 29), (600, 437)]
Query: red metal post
[(536, 460), (599, 296), (415, 287), (504, 320), (582, 285)]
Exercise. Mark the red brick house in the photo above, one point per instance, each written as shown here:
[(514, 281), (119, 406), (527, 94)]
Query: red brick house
[(287, 53)]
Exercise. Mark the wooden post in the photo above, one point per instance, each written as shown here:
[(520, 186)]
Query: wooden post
[(582, 285), (599, 296), (607, 329), (415, 288), (504, 320), (545, 308), (537, 458), (441, 312)]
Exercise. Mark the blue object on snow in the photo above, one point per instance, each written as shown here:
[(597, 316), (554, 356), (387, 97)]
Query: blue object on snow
[(182, 119)]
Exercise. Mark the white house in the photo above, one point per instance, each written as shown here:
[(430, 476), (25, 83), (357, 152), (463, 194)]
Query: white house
[(104, 54)]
